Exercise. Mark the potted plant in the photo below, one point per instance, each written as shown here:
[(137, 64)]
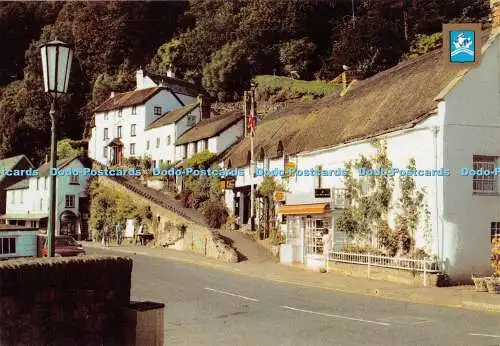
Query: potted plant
[(480, 283), (493, 283)]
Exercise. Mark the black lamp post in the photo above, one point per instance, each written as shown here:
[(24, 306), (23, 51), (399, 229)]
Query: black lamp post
[(56, 63)]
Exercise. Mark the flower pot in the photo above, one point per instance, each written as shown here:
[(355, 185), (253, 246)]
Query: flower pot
[(493, 286), (480, 284)]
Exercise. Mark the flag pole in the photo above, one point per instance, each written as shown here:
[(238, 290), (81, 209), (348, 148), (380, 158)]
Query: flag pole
[(252, 165), (245, 110)]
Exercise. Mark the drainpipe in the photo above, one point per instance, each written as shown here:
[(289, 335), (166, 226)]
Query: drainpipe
[(435, 131)]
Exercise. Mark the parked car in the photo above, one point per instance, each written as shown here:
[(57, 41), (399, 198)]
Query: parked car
[(65, 246)]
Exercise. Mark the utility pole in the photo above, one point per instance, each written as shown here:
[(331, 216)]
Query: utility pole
[(252, 158), (245, 110)]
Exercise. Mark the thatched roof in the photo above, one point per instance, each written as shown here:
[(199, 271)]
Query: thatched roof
[(173, 116), (21, 184), (128, 99), (396, 98), (210, 127)]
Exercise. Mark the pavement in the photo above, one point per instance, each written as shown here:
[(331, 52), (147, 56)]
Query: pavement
[(205, 305), (456, 296)]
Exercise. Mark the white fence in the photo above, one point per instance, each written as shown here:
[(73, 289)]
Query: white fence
[(420, 265)]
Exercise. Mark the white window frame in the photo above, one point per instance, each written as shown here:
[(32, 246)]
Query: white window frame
[(191, 120), (169, 140), (105, 134), (132, 149), (105, 152), (120, 112), (13, 196), (45, 183), (132, 130), (484, 184), (41, 204), (119, 131), (134, 110), (157, 142), (73, 179), (157, 110), (21, 196), (147, 145), (105, 115), (69, 201)]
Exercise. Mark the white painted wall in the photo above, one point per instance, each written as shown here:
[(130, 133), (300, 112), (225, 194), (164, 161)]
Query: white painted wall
[(471, 127), (182, 125), (165, 151), (229, 136), (36, 200)]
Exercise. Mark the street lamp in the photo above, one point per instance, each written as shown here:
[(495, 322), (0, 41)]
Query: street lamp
[(56, 64)]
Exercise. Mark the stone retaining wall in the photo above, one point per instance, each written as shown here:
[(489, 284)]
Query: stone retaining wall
[(196, 238)]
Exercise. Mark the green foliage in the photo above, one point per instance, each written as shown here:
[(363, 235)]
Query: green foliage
[(298, 56), (284, 88), (215, 212), (366, 217), (67, 148), (165, 58), (199, 159), (227, 75), (109, 207), (425, 43), (268, 186)]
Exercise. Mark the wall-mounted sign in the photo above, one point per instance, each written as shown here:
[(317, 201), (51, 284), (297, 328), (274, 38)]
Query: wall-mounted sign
[(290, 166), (322, 193), (279, 196), (222, 185), (462, 44)]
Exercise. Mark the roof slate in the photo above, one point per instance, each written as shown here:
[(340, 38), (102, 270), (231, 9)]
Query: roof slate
[(210, 127), (173, 116)]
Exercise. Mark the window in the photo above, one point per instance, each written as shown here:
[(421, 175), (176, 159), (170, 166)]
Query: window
[(46, 183), (495, 230), (132, 148), (21, 196), (184, 151), (195, 148), (120, 112), (318, 178), (37, 184), (70, 201), (132, 130), (147, 145), (73, 179), (154, 163), (41, 204), (157, 110), (205, 147), (105, 152), (134, 110), (485, 183), (119, 131), (13, 196), (105, 115), (106, 135), (168, 140), (191, 120), (7, 246), (158, 142)]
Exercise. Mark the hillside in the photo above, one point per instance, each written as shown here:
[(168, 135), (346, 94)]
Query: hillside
[(219, 45)]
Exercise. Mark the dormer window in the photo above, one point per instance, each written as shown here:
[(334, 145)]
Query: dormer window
[(157, 110), (105, 115), (134, 110), (120, 112), (191, 120)]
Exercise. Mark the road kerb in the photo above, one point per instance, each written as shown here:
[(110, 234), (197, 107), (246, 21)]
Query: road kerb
[(377, 292)]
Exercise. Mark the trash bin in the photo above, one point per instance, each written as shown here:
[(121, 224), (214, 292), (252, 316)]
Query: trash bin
[(143, 324)]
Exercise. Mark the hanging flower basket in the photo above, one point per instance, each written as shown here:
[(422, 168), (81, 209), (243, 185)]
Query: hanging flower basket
[(493, 285), (480, 283)]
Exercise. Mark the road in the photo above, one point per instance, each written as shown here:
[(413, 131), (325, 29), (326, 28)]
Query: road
[(212, 307)]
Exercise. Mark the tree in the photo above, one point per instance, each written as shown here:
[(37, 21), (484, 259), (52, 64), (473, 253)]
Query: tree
[(228, 73), (67, 148), (298, 55)]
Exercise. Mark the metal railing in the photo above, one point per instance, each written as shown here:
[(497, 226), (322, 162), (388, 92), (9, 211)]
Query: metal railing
[(419, 265)]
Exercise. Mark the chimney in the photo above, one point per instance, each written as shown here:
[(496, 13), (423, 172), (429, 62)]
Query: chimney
[(204, 107), (495, 15), (139, 78), (170, 73)]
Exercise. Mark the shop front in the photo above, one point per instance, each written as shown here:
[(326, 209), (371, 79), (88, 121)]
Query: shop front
[(306, 227)]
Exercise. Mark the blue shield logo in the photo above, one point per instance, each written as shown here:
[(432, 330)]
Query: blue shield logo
[(462, 46)]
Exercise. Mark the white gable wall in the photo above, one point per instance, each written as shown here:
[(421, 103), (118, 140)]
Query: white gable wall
[(229, 136), (472, 127), (182, 125), (165, 151)]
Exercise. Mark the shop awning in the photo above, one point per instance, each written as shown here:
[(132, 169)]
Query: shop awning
[(301, 209)]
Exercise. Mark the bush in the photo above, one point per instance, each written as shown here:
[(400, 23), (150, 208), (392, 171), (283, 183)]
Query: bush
[(215, 213), (495, 258), (419, 254), (353, 248)]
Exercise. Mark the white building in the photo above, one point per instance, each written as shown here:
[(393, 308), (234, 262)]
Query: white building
[(214, 135), (424, 109), (120, 123), (27, 201), (17, 241)]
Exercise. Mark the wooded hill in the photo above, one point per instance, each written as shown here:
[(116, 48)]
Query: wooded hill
[(220, 45)]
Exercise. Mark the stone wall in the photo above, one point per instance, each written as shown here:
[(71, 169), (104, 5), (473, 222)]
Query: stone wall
[(196, 238), (414, 279), (64, 301)]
